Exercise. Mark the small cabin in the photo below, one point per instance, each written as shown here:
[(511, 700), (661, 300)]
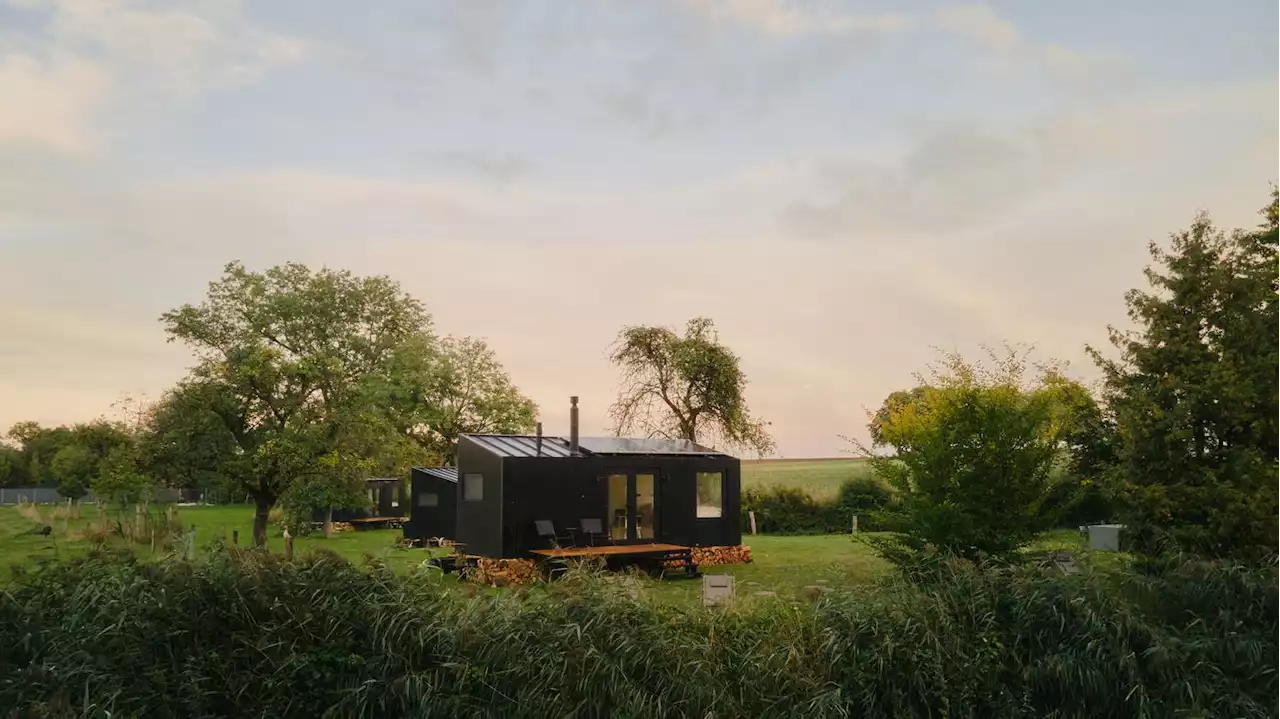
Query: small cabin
[(638, 491), (433, 503)]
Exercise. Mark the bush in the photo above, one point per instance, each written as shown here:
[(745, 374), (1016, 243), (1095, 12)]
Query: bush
[(972, 460), (246, 633), (787, 510)]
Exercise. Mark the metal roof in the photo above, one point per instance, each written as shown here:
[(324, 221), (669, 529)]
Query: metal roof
[(521, 445), (448, 474), (644, 445)]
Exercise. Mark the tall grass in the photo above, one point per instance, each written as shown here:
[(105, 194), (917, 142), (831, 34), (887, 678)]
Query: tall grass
[(244, 633)]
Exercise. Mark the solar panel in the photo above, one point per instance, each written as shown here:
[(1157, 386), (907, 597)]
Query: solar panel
[(636, 445)]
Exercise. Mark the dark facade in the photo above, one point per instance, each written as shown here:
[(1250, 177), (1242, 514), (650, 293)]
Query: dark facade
[(642, 490), (433, 503)]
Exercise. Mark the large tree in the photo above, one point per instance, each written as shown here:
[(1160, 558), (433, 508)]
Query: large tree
[(441, 390), (284, 357), (684, 387), (1194, 393)]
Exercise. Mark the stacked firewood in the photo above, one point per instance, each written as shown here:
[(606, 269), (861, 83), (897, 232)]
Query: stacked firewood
[(711, 556), (503, 572)]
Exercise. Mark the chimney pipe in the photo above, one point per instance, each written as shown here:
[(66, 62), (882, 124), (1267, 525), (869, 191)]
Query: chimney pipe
[(573, 425), (539, 441)]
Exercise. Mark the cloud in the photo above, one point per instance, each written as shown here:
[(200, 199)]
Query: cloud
[(184, 47), (93, 52), (49, 104), (979, 23), (984, 26), (499, 167), (782, 19)]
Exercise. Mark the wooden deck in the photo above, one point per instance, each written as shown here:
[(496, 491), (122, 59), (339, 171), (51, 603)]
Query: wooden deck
[(610, 550)]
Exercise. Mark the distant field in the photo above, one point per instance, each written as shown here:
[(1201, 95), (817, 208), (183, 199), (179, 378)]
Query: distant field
[(818, 477)]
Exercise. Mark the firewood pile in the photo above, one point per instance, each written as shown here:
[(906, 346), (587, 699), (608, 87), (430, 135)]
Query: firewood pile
[(712, 556), (341, 527), (503, 572)]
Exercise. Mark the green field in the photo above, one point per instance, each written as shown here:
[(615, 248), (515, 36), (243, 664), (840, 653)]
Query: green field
[(783, 565), (821, 478)]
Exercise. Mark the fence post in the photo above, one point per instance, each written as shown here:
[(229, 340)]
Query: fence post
[(235, 537), (751, 516), (855, 524)]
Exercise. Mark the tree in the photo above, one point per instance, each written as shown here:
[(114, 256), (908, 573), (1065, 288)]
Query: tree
[(893, 405), (1194, 393), (119, 479), (684, 387), (38, 446), (974, 452), (12, 471), (337, 482), (72, 468), (285, 355), (441, 390)]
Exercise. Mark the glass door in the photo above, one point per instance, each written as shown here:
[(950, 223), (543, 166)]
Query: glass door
[(633, 506)]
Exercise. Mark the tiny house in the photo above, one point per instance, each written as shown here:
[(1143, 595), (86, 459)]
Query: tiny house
[(433, 505), (639, 491)]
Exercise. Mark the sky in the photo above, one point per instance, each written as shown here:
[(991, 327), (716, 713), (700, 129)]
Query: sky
[(841, 187)]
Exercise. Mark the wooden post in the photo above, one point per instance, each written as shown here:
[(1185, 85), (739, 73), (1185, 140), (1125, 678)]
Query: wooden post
[(235, 537), (855, 524), (288, 548), (751, 516), (191, 543)]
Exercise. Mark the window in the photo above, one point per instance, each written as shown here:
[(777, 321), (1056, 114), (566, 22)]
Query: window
[(710, 495), (473, 487), (428, 499)]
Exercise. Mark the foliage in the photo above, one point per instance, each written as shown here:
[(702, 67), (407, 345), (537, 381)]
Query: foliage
[(73, 467), (246, 633), (120, 480), (440, 390), (790, 510), (13, 471), (338, 483), (973, 459), (684, 387), (1194, 393), (286, 357), (37, 446)]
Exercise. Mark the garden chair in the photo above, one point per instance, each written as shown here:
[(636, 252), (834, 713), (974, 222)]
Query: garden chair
[(593, 530), (547, 530)]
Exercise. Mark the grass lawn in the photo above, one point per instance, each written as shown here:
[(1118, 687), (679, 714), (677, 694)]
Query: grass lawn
[(784, 565), (821, 478)]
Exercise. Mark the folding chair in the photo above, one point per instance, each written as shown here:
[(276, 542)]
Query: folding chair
[(547, 530), (593, 529)]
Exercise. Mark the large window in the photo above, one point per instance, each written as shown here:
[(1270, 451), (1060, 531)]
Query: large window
[(428, 499), (710, 495), (473, 487)]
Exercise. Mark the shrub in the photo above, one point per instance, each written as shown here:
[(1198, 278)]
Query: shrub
[(246, 633), (973, 459), (787, 510)]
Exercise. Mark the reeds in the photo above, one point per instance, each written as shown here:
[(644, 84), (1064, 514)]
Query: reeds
[(245, 633)]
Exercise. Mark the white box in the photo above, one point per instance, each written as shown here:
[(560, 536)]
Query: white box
[(1105, 537)]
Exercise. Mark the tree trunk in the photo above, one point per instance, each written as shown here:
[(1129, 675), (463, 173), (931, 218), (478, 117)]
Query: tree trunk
[(328, 522), (264, 504)]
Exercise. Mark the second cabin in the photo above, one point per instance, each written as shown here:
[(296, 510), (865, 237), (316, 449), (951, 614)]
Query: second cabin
[(517, 493)]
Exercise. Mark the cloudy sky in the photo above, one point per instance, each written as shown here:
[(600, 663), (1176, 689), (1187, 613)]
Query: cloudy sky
[(839, 186)]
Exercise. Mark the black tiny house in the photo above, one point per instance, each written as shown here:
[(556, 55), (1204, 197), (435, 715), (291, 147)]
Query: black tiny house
[(643, 490), (433, 506)]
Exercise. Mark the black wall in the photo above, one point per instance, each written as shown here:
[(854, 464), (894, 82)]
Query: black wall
[(438, 521), (479, 527), (567, 490)]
